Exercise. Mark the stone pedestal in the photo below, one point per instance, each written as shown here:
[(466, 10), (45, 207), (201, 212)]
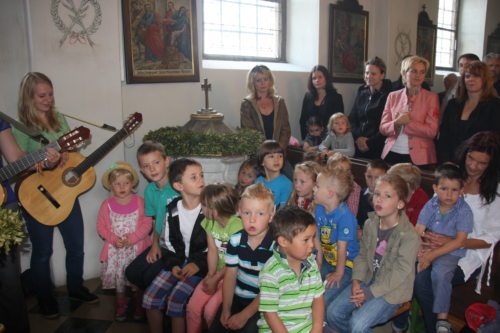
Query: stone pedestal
[(220, 169)]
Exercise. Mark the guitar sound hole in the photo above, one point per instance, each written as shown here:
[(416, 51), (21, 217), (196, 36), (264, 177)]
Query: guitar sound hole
[(71, 178)]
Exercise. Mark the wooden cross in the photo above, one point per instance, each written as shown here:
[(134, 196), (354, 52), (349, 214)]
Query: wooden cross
[(206, 87)]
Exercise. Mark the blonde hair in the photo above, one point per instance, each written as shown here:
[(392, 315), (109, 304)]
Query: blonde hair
[(407, 63), (26, 107), (258, 191), (337, 158), (311, 169), (410, 173), (335, 116), (397, 183), (115, 173), (259, 69), (220, 197), (341, 180)]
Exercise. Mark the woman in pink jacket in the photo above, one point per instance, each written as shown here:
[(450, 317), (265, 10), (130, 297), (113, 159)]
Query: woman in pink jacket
[(410, 118), (125, 230)]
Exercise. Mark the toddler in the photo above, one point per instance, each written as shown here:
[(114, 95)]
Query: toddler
[(304, 180), (218, 202), (247, 174), (125, 230), (339, 138), (315, 134)]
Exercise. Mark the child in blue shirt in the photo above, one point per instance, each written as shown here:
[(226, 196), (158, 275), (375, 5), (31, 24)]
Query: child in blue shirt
[(446, 213), (271, 159)]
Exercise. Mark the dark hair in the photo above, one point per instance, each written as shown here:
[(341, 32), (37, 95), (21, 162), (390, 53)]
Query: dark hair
[(220, 197), (314, 121), (178, 167), (268, 147), (479, 69), (250, 162), (328, 78), (151, 147), (449, 171), (468, 56), (378, 164), (290, 221), (376, 61), (489, 143)]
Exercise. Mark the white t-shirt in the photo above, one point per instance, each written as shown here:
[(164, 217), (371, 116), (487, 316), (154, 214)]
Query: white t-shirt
[(187, 220)]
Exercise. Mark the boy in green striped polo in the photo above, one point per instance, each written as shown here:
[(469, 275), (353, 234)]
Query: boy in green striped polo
[(291, 289)]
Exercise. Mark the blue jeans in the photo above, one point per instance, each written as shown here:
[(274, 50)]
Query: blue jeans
[(333, 292), (343, 316), (42, 237)]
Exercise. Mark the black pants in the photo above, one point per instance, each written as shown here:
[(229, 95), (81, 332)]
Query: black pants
[(250, 326), (141, 273), (13, 313)]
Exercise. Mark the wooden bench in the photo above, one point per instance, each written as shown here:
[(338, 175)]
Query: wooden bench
[(463, 295)]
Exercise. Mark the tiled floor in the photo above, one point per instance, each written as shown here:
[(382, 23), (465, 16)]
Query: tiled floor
[(77, 317)]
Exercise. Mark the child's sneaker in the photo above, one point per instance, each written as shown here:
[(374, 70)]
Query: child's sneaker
[(443, 326), (121, 309)]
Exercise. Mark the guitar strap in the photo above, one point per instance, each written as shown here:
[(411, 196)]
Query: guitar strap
[(23, 128)]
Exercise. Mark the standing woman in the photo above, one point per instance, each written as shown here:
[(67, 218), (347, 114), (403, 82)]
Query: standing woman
[(410, 118), (264, 111), (37, 111), (367, 110), (322, 100), (479, 158), (476, 109)]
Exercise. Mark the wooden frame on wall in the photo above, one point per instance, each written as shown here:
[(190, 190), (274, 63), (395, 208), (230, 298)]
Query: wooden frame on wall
[(348, 41), (160, 41)]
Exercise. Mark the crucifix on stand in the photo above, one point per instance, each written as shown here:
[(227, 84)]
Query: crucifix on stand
[(206, 87)]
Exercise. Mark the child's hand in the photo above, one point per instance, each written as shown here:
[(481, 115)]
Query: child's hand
[(333, 279), (177, 272), (424, 261), (154, 253), (224, 317), (189, 270), (209, 285), (125, 242), (237, 321), (118, 243), (357, 297)]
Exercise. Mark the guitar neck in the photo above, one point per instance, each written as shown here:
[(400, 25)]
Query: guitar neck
[(25, 162), (100, 152)]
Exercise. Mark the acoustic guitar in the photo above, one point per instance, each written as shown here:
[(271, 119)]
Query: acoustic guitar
[(67, 142), (50, 197)]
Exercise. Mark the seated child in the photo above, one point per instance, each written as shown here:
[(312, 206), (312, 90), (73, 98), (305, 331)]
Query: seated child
[(291, 289), (384, 270), (247, 174), (417, 197), (185, 254), (339, 138), (125, 230), (342, 161), (374, 170), (270, 158), (246, 254), (448, 214), (315, 134), (337, 241), (304, 180), (219, 203)]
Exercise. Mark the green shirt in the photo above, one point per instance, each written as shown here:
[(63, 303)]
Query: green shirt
[(29, 144), (221, 235), (289, 295), (156, 201)]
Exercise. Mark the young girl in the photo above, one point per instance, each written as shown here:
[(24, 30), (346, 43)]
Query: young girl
[(384, 270), (124, 228), (270, 158), (304, 180), (247, 174), (219, 204), (315, 134), (339, 137)]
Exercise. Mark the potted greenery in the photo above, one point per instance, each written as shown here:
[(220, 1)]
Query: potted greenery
[(11, 230), (219, 153)]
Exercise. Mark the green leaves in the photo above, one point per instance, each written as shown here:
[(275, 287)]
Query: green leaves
[(11, 229), (188, 143)]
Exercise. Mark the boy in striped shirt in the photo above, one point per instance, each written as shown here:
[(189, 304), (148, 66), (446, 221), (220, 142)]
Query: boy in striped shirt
[(291, 289)]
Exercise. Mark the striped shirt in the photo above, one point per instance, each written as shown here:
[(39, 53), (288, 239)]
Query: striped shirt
[(287, 294), (249, 262)]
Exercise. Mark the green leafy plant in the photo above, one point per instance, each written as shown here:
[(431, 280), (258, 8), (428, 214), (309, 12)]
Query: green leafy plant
[(11, 229), (188, 143)]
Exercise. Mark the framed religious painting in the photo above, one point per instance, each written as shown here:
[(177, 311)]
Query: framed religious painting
[(160, 41), (348, 41)]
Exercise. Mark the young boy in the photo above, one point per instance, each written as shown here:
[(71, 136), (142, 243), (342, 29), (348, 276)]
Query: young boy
[(154, 164), (448, 214), (291, 289), (337, 241), (184, 247), (374, 170), (246, 254)]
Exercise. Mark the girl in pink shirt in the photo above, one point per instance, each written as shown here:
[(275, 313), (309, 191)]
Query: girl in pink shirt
[(124, 228)]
